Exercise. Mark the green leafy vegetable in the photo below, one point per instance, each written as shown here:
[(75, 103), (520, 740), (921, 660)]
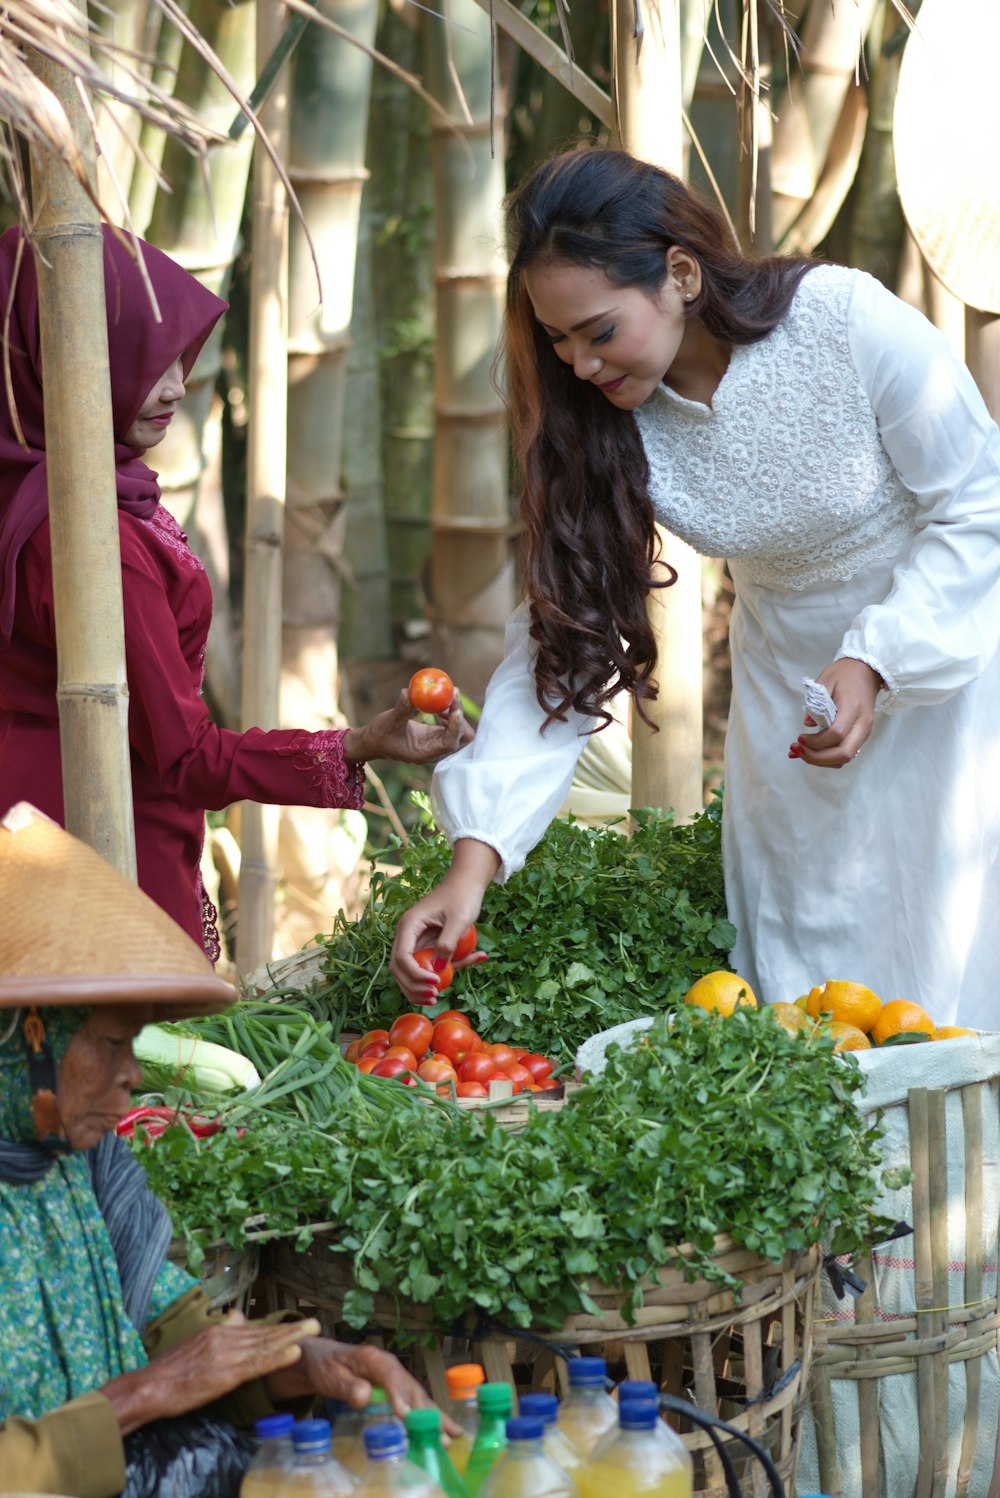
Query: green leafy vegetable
[(596, 929), (712, 1125)]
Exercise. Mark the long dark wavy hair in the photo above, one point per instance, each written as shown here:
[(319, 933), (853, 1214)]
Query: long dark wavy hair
[(590, 542)]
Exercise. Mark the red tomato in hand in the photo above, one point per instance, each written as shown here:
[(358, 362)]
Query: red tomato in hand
[(453, 1039), (413, 1030), (476, 1067), (425, 957), (471, 1089), (540, 1067), (466, 944), (431, 690)]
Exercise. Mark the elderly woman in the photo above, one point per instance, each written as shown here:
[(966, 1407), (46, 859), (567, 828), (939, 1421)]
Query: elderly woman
[(100, 1335)]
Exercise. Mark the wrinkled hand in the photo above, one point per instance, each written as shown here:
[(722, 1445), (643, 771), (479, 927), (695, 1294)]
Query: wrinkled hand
[(396, 734), (441, 918), (853, 685), (340, 1370), (216, 1360)]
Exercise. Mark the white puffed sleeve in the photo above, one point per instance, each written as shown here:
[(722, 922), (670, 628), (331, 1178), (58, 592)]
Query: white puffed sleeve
[(939, 625), (505, 787)]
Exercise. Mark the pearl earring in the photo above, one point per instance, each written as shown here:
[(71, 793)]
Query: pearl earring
[(687, 296)]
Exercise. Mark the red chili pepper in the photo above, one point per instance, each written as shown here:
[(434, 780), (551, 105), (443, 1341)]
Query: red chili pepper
[(156, 1120)]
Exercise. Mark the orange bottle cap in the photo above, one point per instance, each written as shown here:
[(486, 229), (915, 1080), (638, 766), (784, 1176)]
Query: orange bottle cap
[(464, 1377)]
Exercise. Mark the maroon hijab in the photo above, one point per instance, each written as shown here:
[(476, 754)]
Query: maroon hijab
[(140, 351)]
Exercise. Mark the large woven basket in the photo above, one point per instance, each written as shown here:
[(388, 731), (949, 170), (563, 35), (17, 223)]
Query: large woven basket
[(745, 1358)]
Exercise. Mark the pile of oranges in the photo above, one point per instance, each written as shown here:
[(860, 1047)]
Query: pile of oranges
[(855, 1016)]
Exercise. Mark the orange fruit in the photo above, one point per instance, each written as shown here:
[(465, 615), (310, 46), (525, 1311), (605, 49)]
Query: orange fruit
[(847, 1003), (948, 1032), (721, 991), (790, 1017), (901, 1017), (848, 1037)]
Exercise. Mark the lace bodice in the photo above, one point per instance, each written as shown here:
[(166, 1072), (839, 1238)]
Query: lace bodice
[(785, 474)]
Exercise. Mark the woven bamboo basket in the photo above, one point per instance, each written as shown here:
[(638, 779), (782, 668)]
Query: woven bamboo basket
[(747, 1360), (905, 1390)]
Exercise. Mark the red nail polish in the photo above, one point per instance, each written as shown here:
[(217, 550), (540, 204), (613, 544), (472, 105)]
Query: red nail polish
[(810, 722), (439, 964)]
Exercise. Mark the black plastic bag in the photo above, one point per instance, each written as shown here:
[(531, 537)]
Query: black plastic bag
[(192, 1456)]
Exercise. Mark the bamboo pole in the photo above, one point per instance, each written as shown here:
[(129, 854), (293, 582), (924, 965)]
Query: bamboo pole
[(471, 573), (265, 524), (92, 690), (666, 766)]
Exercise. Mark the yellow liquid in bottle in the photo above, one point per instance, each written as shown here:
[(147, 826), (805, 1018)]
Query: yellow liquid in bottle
[(264, 1483), (460, 1450), (602, 1479), (584, 1424)]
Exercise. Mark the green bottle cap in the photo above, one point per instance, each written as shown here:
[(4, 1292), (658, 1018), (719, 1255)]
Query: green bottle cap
[(495, 1399), (423, 1422), (377, 1396)]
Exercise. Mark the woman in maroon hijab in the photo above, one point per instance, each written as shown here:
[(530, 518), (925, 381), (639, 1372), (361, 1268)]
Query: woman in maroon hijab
[(182, 763)]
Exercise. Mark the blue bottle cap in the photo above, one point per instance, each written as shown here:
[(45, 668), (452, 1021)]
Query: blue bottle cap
[(388, 1438), (525, 1428), (638, 1414), (587, 1371), (273, 1427), (544, 1406), (311, 1435), (637, 1388)]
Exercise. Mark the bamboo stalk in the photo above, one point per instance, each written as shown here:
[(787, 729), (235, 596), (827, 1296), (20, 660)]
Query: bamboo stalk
[(265, 501), (471, 572), (938, 1161), (868, 1391), (923, 1279), (973, 1098), (666, 765), (92, 689)]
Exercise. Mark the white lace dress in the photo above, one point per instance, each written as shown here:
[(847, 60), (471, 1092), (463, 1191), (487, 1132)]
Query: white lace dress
[(850, 472)]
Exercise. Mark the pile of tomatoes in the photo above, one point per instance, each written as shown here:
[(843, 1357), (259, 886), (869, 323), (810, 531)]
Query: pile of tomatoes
[(447, 1053)]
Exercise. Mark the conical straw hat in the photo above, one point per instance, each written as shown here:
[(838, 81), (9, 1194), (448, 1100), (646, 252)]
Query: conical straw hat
[(73, 930)]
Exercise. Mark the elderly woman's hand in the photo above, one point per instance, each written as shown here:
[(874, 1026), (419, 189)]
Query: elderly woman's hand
[(213, 1362), (341, 1370), (396, 734)]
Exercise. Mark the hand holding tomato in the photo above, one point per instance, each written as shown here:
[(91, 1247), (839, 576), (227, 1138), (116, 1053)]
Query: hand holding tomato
[(431, 690), (397, 734)]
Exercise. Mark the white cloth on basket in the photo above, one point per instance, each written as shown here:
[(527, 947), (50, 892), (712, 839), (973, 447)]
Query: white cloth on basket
[(850, 472)]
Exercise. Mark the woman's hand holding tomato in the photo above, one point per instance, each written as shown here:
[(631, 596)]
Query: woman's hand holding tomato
[(442, 918)]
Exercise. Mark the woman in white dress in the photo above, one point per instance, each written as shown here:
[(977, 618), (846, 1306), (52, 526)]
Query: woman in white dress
[(797, 419)]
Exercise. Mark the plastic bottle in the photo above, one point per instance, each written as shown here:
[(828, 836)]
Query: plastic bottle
[(496, 1405), (273, 1459), (348, 1424), (632, 1391), (315, 1469), (555, 1442), (638, 1461), (523, 1470), (463, 1380), (424, 1430), (388, 1471), (378, 1411), (588, 1409)]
